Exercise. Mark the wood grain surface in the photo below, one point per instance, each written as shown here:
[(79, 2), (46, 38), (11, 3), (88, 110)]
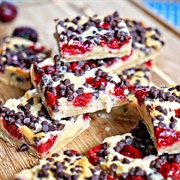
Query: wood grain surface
[(40, 15)]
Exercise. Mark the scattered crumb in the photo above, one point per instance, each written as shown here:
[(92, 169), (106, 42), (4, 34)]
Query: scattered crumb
[(107, 128)]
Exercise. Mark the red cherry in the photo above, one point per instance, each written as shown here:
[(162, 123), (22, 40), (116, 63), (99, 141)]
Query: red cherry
[(36, 49), (110, 177), (76, 48), (82, 100), (74, 66), (93, 157), (105, 25), (134, 178), (177, 113), (8, 11), (86, 117), (127, 57), (170, 170), (96, 84), (131, 152), (166, 137), (44, 147), (140, 93), (50, 99), (12, 129), (26, 33), (119, 92)]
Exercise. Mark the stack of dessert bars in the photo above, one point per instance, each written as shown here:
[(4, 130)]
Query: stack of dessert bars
[(103, 69)]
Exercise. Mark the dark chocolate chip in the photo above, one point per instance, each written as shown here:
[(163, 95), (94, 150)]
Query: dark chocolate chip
[(24, 147)]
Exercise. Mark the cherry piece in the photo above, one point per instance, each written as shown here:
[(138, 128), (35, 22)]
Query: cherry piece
[(36, 49), (106, 25), (110, 177), (74, 152), (131, 152), (82, 100), (127, 57), (74, 66), (113, 44), (26, 33), (93, 157), (46, 70), (141, 93), (135, 178), (170, 170), (166, 137), (76, 48), (119, 92), (8, 11), (50, 99), (12, 129), (44, 147), (149, 64), (86, 117), (96, 84), (177, 113)]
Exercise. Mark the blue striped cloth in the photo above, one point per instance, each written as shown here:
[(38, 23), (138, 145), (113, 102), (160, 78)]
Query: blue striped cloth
[(167, 9)]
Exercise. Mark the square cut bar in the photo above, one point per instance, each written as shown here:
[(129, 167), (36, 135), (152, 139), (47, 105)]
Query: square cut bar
[(133, 78), (26, 125), (96, 37), (66, 91), (16, 56), (133, 156), (68, 165), (160, 109), (146, 43)]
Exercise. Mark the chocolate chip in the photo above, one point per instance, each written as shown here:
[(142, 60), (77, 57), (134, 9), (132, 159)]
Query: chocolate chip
[(104, 145), (80, 90), (26, 121), (24, 147), (51, 127), (36, 140), (139, 172), (61, 126), (115, 158), (178, 87), (55, 155), (160, 117), (128, 140), (126, 161), (45, 128), (113, 167), (56, 58), (171, 98)]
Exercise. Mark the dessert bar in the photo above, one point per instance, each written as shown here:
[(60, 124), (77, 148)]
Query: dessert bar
[(25, 124), (67, 91), (160, 109), (16, 56), (96, 37)]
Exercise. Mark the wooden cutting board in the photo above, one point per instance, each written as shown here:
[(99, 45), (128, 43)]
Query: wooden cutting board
[(40, 15)]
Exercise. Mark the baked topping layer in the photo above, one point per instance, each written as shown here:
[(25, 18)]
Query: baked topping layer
[(64, 86), (85, 34), (21, 53)]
